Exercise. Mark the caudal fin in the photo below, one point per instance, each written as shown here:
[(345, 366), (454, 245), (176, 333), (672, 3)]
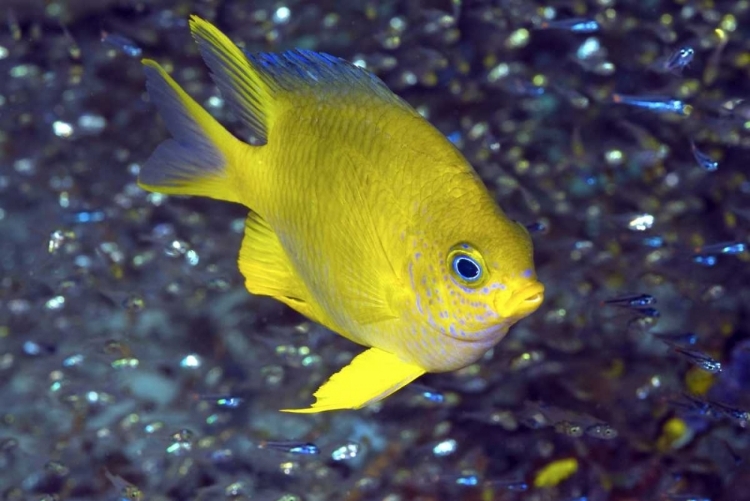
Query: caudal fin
[(197, 161)]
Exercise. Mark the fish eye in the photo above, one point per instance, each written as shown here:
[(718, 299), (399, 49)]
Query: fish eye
[(467, 268), (466, 265)]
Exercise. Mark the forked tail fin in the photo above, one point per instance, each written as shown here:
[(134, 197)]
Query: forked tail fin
[(198, 158)]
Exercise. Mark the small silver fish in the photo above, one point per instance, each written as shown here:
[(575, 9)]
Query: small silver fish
[(575, 25), (632, 301), (731, 248), (657, 104), (706, 162), (122, 43), (291, 447), (679, 60)]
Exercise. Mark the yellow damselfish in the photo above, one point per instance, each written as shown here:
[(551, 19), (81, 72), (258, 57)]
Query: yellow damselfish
[(364, 218)]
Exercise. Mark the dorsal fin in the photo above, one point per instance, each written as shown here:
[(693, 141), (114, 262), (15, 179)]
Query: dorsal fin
[(253, 83), (239, 83), (307, 72)]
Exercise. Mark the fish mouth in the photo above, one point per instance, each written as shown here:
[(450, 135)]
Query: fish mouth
[(522, 302)]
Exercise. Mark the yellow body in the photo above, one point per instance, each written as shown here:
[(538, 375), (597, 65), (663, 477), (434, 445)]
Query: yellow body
[(360, 212)]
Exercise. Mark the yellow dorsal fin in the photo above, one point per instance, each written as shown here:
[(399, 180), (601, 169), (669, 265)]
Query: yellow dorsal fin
[(256, 85), (240, 84), (370, 377)]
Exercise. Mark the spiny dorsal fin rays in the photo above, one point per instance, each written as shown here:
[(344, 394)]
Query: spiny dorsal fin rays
[(246, 92), (307, 72), (253, 84)]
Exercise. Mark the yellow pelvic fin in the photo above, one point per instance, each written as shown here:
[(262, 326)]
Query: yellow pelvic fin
[(198, 158), (268, 272), (240, 83), (370, 377)]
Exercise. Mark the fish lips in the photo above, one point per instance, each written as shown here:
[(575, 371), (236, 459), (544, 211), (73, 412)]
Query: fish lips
[(522, 302)]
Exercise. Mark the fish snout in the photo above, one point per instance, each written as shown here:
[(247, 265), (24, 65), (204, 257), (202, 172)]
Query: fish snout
[(523, 301)]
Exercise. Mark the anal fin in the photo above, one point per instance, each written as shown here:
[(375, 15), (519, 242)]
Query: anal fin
[(370, 377)]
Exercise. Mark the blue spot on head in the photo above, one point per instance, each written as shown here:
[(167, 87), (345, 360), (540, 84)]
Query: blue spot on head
[(453, 329), (527, 273)]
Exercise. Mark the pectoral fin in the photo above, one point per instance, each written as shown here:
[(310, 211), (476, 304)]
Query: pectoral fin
[(370, 377)]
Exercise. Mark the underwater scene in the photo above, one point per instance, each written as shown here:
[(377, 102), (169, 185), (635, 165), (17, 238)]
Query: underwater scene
[(433, 250)]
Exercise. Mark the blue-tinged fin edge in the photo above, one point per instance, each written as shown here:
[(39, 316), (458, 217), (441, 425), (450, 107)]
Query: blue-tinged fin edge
[(301, 70), (234, 76), (190, 155)]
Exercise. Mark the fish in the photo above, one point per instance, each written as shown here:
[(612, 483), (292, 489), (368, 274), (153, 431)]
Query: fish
[(363, 216), (700, 359), (675, 62), (122, 43), (125, 488), (731, 248), (679, 59), (689, 338), (291, 447), (657, 104), (707, 163), (713, 409), (575, 25), (632, 301)]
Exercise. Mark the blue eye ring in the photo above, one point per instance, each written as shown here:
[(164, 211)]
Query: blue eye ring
[(466, 266)]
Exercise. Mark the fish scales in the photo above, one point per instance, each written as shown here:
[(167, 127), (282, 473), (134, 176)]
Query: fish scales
[(363, 217)]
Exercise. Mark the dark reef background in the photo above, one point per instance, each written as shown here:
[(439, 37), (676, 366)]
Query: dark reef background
[(134, 365)]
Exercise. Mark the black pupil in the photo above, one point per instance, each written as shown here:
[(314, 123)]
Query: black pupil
[(467, 268)]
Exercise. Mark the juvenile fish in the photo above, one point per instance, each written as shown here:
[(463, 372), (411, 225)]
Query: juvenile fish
[(632, 301), (706, 162), (291, 447), (429, 394), (731, 248), (656, 104), (714, 409), (225, 401), (689, 338), (702, 360), (575, 25), (537, 227), (679, 60), (121, 43)]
